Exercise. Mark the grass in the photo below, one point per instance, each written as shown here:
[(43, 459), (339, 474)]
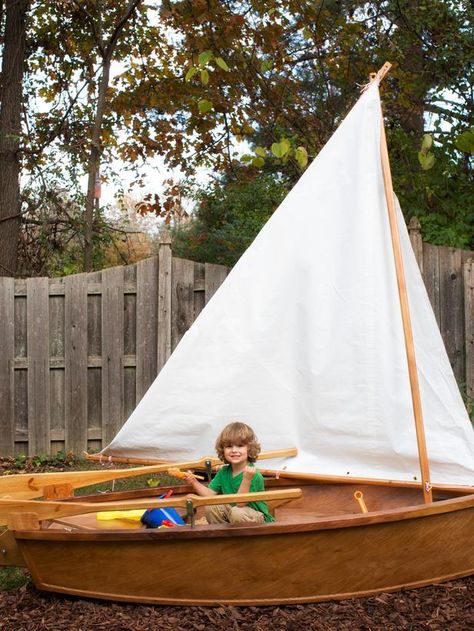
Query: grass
[(13, 578), (67, 462), (129, 484)]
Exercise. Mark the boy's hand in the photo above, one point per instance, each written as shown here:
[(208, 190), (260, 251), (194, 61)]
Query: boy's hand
[(189, 478), (249, 472)]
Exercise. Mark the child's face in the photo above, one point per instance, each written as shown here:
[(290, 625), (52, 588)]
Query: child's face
[(236, 454)]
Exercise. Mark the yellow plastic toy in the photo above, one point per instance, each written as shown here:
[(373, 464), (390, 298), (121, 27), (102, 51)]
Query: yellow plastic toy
[(128, 515)]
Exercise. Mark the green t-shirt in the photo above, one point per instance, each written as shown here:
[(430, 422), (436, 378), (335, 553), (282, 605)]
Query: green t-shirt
[(225, 484)]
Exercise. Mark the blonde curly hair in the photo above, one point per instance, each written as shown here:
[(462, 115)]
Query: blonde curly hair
[(238, 433)]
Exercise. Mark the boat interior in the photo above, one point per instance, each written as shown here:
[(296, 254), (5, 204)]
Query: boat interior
[(319, 501)]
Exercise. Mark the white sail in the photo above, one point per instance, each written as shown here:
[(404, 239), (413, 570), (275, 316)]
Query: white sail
[(304, 339)]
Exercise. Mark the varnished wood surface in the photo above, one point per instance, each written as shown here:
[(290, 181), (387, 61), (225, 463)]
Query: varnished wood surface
[(31, 485), (352, 555), (406, 319), (53, 510), (329, 479), (10, 552), (314, 520)]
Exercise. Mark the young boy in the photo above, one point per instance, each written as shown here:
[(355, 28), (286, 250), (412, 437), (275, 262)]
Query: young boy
[(238, 448)]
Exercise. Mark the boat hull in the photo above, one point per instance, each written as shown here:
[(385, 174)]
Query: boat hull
[(266, 565)]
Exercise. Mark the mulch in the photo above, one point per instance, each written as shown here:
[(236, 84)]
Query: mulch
[(438, 608)]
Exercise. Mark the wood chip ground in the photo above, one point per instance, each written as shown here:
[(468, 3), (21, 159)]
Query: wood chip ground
[(447, 607)]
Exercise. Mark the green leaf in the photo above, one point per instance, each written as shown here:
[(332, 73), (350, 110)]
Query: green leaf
[(246, 158), (266, 65), (205, 106), (465, 142), (301, 156), (426, 143), (204, 77), (205, 57), (190, 73), (276, 150), (261, 151), (222, 64), (280, 149), (307, 33), (426, 160), (258, 162)]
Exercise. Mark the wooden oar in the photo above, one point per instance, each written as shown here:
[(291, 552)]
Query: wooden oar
[(277, 453), (53, 510), (31, 485)]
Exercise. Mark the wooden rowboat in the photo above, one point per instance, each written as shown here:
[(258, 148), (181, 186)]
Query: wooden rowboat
[(329, 367), (320, 547)]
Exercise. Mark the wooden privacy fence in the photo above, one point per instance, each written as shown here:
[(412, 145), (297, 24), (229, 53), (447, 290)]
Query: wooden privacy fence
[(448, 274), (78, 353)]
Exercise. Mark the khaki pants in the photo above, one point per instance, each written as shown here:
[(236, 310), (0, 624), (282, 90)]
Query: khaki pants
[(225, 513)]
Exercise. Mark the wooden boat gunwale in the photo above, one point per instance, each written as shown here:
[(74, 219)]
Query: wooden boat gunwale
[(326, 522)]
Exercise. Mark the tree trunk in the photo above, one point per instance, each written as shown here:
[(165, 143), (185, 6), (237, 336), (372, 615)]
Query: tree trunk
[(107, 49), (94, 165), (10, 128)]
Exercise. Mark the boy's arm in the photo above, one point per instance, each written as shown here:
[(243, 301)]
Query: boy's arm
[(247, 477), (199, 488)]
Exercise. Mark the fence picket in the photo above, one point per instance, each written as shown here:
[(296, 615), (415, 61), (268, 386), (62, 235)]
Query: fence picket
[(147, 328), (431, 276), (469, 324), (75, 352), (182, 299), (451, 302), (7, 354), (164, 302), (214, 277), (37, 294), (112, 352), (199, 288), (414, 230)]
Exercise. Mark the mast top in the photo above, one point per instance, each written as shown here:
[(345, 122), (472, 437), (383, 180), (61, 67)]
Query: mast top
[(380, 75)]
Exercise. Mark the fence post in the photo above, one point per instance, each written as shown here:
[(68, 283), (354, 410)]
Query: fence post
[(469, 324), (414, 230), (164, 301)]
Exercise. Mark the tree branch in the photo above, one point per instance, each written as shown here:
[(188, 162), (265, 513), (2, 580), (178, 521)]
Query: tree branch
[(435, 109), (132, 5)]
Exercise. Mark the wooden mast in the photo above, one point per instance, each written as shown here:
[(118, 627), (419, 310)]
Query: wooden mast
[(404, 306)]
